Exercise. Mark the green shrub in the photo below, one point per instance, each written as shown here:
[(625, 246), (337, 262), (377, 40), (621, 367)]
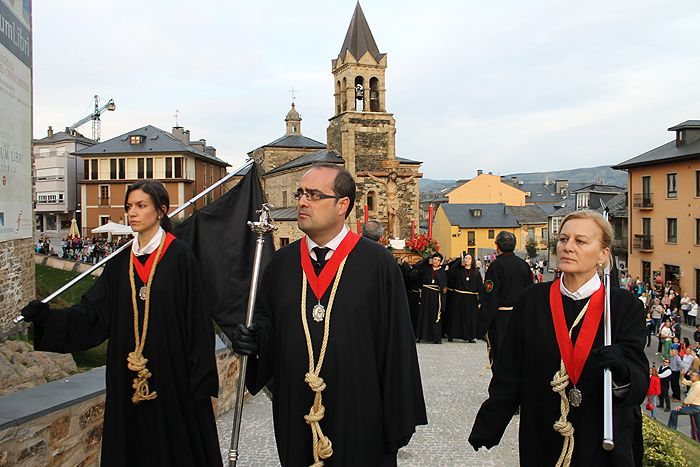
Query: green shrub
[(661, 446)]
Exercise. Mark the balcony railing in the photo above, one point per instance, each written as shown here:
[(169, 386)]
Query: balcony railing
[(643, 242), (643, 200)]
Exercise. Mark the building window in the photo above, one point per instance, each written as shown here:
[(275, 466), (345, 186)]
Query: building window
[(671, 185), (284, 241), (697, 183), (94, 165), (104, 195), (697, 231), (545, 238), (168, 167), (370, 201), (112, 169), (149, 167), (104, 220), (122, 169), (471, 241), (672, 230), (491, 234), (140, 167), (555, 225), (136, 139), (476, 212), (531, 233), (86, 169), (178, 167), (284, 198), (582, 200)]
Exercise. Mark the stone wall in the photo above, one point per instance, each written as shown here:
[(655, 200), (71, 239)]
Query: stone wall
[(286, 229), (60, 423), (22, 368), (276, 185), (17, 286)]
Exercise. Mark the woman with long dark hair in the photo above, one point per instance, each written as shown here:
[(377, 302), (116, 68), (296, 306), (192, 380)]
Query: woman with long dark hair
[(161, 368)]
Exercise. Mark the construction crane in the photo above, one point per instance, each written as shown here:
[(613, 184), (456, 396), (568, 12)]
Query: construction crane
[(95, 117)]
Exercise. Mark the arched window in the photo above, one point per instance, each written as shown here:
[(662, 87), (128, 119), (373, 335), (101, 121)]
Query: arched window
[(344, 95), (370, 201), (337, 97), (359, 93), (374, 94)]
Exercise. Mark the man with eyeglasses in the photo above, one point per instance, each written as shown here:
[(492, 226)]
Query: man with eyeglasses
[(333, 338)]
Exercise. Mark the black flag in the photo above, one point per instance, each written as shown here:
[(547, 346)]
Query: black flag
[(225, 246)]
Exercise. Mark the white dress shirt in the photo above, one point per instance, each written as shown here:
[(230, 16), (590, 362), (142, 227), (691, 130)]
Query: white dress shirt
[(585, 291), (150, 246), (333, 244)]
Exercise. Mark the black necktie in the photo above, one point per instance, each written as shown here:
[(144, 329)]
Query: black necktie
[(320, 256)]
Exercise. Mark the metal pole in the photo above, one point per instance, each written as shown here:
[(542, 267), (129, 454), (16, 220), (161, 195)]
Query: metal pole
[(101, 263), (608, 443), (261, 228)]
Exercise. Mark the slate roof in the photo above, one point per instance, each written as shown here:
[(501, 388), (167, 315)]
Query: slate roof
[(284, 214), (359, 39), (618, 205), (308, 159), (403, 160), (528, 214), (668, 152), (692, 124), (63, 136), (156, 141), (295, 141), (600, 189), (492, 216)]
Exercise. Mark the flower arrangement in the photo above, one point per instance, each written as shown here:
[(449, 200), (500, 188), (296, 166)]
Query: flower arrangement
[(423, 245)]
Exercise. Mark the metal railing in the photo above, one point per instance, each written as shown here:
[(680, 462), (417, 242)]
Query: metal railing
[(643, 200), (643, 242)]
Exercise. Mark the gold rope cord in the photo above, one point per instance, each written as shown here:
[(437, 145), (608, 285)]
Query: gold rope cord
[(564, 426), (136, 361), (436, 289), (322, 446)]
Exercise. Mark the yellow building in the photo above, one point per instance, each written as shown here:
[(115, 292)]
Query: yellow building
[(472, 228), (664, 212), (487, 188)]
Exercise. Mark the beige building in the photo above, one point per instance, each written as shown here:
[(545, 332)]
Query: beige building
[(487, 189), (664, 210), (361, 136)]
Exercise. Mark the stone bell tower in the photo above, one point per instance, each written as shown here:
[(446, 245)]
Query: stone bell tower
[(363, 132)]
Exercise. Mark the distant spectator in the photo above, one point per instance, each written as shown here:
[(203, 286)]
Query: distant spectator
[(691, 404), (676, 366), (654, 390), (693, 313), (373, 230)]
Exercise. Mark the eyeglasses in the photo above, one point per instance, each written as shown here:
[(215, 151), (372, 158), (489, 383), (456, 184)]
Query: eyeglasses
[(313, 195)]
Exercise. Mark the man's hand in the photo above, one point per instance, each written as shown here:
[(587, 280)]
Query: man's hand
[(36, 312), (245, 339)]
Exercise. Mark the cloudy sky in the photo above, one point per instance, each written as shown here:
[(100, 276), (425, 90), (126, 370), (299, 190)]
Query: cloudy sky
[(506, 86)]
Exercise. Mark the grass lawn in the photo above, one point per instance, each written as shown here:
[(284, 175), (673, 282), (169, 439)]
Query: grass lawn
[(47, 281)]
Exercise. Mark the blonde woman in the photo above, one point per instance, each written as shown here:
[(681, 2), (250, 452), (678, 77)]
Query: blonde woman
[(556, 359)]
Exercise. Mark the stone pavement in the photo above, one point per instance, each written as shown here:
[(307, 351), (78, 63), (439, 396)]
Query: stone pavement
[(455, 384)]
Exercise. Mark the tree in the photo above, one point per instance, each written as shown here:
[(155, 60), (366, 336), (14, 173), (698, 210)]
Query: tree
[(531, 248)]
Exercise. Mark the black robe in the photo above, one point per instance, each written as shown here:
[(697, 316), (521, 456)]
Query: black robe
[(373, 398), (430, 320), (530, 357), (462, 307), (178, 427), (413, 290)]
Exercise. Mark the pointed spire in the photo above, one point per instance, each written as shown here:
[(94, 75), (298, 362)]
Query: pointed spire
[(359, 39)]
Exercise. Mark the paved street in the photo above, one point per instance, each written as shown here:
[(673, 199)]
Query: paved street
[(455, 383)]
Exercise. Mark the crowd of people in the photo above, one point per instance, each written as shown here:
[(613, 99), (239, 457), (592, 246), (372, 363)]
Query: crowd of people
[(74, 248), (666, 310)]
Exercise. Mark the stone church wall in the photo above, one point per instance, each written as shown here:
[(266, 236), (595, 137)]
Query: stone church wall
[(16, 281)]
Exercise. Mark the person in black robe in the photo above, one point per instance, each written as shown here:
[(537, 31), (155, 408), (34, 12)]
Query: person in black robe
[(505, 279), (531, 356), (413, 290), (371, 393), (464, 286), (178, 426), (433, 280)]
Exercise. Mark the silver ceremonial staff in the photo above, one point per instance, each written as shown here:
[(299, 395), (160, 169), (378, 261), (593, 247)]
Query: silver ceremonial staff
[(127, 244), (608, 443), (261, 228)]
